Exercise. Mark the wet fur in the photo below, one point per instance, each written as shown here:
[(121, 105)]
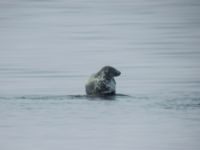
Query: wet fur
[(102, 83)]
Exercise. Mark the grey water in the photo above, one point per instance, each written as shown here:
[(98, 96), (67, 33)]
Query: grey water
[(49, 48)]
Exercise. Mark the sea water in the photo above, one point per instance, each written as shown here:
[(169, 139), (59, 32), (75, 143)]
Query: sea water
[(49, 48)]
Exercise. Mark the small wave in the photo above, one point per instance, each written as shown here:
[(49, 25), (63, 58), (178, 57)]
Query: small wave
[(62, 97)]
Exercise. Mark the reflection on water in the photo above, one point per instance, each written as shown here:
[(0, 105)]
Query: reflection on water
[(49, 48)]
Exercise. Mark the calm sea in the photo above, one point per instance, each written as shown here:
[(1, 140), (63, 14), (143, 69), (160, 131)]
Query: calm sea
[(49, 48)]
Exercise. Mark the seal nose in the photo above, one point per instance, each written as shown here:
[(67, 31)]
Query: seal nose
[(118, 73)]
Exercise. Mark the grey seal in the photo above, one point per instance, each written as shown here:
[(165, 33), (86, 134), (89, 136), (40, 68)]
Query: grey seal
[(102, 83)]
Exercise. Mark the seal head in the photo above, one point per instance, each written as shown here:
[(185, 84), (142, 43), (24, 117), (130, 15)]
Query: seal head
[(102, 83)]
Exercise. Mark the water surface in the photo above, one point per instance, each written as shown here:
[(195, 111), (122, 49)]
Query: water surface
[(49, 48)]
